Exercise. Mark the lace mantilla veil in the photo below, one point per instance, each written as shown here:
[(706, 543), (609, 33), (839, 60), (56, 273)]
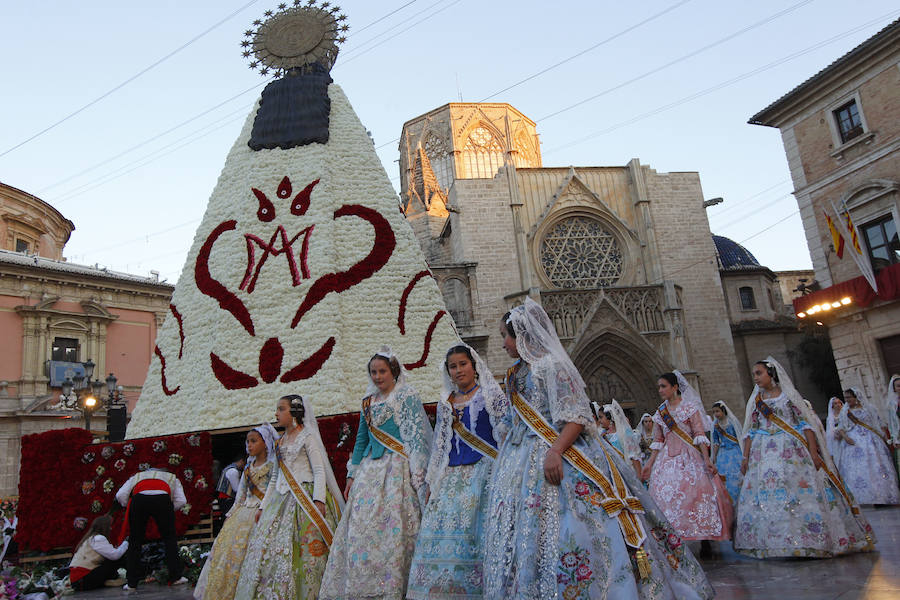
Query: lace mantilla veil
[(630, 447), (873, 412), (490, 397), (551, 368), (799, 402), (731, 418), (315, 438), (889, 409)]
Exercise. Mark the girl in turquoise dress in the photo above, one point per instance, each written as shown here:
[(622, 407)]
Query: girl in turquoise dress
[(374, 543), (470, 415), (726, 448), (557, 531)]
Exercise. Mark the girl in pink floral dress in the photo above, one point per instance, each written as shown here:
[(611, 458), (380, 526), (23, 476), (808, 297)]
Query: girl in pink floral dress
[(683, 480)]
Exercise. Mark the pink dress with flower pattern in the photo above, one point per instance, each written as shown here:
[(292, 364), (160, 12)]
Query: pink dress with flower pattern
[(695, 503)]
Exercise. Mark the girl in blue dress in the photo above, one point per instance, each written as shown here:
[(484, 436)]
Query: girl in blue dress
[(726, 448), (554, 530), (470, 416)]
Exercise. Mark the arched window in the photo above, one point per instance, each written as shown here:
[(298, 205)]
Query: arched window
[(748, 300), (482, 154), (456, 297), (579, 252), (441, 160)]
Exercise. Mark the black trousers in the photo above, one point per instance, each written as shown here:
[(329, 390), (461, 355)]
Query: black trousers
[(159, 507), (96, 578)]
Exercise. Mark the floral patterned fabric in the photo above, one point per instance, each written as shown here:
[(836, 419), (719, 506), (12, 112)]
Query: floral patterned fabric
[(287, 554), (866, 464), (728, 460), (447, 561), (544, 541), (694, 502), (786, 506), (220, 573), (374, 543)]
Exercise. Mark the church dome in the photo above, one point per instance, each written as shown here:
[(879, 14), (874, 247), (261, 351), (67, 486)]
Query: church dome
[(733, 256)]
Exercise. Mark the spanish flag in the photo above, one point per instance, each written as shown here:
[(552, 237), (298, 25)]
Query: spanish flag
[(836, 237)]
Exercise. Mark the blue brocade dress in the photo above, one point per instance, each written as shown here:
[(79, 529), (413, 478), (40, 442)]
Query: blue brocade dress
[(448, 561), (728, 460), (544, 541)]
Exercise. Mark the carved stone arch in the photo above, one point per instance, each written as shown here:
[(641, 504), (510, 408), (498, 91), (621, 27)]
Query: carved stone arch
[(867, 191), (608, 345), (457, 298), (69, 324), (600, 251), (95, 309), (46, 303), (482, 151), (478, 118)]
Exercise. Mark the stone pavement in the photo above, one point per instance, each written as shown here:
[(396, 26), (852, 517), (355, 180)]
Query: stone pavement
[(873, 576)]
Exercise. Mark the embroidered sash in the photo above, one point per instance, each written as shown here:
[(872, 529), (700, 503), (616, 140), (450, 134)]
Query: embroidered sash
[(862, 423), (727, 435), (674, 428), (470, 437), (303, 499), (253, 489), (386, 439), (766, 411), (617, 502)]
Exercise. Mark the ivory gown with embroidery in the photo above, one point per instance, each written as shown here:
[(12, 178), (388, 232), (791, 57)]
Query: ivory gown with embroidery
[(286, 555)]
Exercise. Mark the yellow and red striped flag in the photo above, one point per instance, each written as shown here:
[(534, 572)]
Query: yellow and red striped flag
[(836, 237), (854, 237)]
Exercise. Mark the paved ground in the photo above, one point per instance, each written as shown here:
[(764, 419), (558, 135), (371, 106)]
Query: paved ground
[(873, 576)]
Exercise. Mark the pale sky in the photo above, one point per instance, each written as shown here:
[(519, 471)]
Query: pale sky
[(671, 82)]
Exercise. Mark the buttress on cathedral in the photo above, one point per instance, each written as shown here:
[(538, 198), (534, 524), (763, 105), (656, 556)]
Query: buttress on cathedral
[(620, 257)]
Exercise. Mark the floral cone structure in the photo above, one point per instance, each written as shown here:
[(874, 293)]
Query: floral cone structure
[(302, 268)]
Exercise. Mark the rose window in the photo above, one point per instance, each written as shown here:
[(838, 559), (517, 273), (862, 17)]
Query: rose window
[(579, 253)]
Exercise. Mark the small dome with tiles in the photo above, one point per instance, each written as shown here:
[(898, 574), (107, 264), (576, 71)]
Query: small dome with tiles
[(733, 256)]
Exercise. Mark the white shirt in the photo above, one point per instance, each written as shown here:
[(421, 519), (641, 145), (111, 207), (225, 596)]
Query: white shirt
[(102, 546), (178, 498), (233, 475)]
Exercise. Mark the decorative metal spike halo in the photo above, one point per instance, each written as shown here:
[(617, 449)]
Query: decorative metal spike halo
[(295, 37)]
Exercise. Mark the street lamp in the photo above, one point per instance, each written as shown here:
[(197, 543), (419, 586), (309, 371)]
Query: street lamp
[(81, 393)]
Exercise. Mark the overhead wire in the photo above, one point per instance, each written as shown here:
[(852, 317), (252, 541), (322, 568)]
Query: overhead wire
[(209, 110), (129, 80)]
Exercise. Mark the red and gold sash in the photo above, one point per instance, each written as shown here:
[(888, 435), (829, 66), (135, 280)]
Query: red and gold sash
[(726, 434), (306, 503), (769, 414), (672, 424), (470, 437), (862, 423), (386, 439), (617, 502)]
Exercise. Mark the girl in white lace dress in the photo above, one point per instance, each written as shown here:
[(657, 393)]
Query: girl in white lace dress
[(288, 548), (866, 464)]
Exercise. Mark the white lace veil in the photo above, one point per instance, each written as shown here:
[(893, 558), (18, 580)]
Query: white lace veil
[(315, 438), (489, 397), (799, 402), (551, 367), (874, 418), (639, 428), (732, 420), (831, 425), (889, 409), (630, 448), (269, 436), (388, 354)]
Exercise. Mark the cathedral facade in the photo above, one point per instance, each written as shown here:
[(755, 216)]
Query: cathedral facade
[(620, 257)]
